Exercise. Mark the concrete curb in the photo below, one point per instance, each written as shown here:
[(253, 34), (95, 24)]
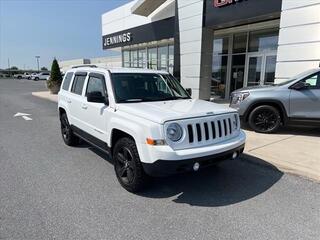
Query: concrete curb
[(278, 166), (46, 95)]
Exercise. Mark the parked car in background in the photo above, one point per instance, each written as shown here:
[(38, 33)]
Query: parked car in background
[(293, 102), (22, 75), (41, 76)]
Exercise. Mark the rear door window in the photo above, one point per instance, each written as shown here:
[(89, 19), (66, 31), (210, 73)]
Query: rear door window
[(78, 83), (67, 80)]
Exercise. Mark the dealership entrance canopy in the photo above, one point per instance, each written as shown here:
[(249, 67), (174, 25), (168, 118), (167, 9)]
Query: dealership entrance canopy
[(217, 46)]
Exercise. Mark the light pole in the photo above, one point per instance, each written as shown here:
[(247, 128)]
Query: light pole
[(38, 57), (9, 67)]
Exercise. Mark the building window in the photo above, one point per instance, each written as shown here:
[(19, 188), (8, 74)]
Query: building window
[(134, 58), (240, 42), (220, 46), (152, 58), (142, 58), (163, 58), (157, 58), (219, 76), (219, 67), (126, 58), (171, 58), (264, 40)]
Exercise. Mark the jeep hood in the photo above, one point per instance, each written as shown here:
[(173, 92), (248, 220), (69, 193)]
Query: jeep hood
[(160, 112)]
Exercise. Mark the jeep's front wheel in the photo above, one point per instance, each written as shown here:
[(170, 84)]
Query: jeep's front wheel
[(265, 119), (67, 134), (128, 166)]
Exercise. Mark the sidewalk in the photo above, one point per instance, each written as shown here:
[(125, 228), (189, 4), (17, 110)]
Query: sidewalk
[(293, 150), (46, 95)]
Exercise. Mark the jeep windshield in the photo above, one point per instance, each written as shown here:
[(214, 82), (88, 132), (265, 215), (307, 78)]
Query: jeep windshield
[(146, 87)]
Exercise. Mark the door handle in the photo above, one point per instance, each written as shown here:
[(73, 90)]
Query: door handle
[(84, 106), (68, 101)]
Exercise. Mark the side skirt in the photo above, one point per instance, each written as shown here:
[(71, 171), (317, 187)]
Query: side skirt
[(95, 142), (303, 121)]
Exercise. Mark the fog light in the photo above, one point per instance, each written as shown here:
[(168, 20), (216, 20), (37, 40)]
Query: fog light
[(234, 155), (196, 166)]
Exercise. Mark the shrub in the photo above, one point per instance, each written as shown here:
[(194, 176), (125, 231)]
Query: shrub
[(55, 79)]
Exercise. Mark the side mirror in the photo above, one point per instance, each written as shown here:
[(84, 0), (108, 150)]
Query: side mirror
[(189, 91), (97, 98), (300, 85)]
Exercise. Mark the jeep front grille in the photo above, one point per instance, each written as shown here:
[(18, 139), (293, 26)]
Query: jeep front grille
[(207, 130), (210, 130)]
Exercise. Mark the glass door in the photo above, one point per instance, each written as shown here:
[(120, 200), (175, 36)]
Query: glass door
[(270, 69), (260, 69), (254, 70)]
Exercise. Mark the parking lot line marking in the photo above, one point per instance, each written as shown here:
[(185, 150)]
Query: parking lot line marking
[(26, 118)]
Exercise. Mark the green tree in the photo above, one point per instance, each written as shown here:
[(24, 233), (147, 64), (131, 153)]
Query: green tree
[(14, 68), (55, 79), (44, 69)]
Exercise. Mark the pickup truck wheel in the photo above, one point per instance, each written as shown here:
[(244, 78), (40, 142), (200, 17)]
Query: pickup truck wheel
[(265, 119), (127, 165), (68, 137)]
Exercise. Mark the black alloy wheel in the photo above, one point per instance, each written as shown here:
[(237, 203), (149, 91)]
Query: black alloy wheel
[(67, 134), (265, 119), (127, 165)]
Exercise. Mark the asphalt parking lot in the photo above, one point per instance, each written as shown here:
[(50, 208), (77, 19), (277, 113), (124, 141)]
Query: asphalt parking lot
[(51, 191)]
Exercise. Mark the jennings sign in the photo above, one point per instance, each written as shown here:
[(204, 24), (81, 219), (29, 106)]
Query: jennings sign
[(222, 3), (117, 39)]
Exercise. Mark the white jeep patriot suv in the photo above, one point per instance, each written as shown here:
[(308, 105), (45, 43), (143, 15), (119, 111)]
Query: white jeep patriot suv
[(147, 121)]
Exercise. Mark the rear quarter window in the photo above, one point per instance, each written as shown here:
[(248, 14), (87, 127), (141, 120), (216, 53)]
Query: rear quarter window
[(67, 80)]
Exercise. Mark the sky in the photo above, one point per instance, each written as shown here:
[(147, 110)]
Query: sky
[(64, 29)]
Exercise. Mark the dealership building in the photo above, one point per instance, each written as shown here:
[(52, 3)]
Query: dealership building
[(217, 46)]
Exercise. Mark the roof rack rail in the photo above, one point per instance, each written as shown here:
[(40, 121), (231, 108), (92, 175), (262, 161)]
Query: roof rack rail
[(85, 65)]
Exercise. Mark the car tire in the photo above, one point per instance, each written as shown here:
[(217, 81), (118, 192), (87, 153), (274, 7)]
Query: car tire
[(127, 165), (36, 79), (265, 119), (67, 134), (19, 77)]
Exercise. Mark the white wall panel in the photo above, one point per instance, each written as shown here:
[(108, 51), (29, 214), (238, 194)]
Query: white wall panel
[(188, 59), (190, 10), (290, 69), (306, 15), (191, 35), (299, 38), (300, 34), (299, 52), (190, 23), (289, 4), (191, 47)]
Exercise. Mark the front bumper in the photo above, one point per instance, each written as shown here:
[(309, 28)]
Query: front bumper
[(161, 168)]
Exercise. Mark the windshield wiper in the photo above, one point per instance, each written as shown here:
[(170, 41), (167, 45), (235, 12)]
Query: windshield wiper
[(131, 100)]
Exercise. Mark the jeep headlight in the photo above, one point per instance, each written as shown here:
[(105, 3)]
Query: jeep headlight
[(174, 132), (239, 97)]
